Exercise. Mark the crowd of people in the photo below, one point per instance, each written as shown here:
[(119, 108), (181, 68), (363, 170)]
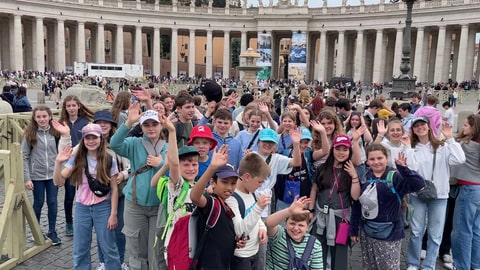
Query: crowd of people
[(299, 178)]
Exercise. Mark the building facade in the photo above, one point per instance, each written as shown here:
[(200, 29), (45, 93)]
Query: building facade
[(363, 42)]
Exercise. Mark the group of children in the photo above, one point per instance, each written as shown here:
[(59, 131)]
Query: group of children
[(274, 184)]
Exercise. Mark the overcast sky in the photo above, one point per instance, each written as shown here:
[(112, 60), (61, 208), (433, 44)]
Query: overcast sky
[(319, 3)]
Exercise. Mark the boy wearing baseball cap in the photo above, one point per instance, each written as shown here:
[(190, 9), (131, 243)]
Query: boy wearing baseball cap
[(202, 139)]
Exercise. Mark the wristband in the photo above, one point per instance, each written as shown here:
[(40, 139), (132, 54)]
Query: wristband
[(381, 136)]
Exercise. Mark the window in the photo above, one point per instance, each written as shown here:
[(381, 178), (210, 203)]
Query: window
[(205, 47), (185, 58), (185, 46), (204, 59)]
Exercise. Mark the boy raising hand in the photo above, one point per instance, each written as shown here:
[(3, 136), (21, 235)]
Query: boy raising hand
[(220, 243)]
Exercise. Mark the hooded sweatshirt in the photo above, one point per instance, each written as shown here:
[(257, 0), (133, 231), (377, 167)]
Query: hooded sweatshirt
[(433, 115), (39, 160)]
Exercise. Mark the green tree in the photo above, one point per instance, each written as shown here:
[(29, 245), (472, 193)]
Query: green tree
[(165, 46), (219, 3), (164, 2), (235, 52)]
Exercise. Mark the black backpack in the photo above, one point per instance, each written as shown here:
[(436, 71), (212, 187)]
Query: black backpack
[(296, 263)]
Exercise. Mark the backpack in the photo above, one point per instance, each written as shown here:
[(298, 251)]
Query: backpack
[(162, 193), (299, 263), (369, 199), (179, 128), (184, 248)]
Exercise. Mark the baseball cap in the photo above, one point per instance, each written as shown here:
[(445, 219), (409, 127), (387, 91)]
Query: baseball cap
[(226, 171), (340, 140), (418, 119), (268, 135), (187, 150), (104, 115), (92, 129), (369, 202), (306, 134), (149, 115), (202, 131)]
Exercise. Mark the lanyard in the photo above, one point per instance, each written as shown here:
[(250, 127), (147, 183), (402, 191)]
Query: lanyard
[(335, 184)]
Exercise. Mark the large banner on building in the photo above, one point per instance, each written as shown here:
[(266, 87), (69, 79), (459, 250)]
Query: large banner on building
[(297, 59), (264, 45)]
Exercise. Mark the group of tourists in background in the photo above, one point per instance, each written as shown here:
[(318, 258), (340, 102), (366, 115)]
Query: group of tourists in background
[(306, 182)]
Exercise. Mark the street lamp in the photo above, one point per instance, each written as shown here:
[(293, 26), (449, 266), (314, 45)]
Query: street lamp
[(405, 83)]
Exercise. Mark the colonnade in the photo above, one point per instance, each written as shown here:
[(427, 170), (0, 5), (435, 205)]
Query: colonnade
[(368, 52)]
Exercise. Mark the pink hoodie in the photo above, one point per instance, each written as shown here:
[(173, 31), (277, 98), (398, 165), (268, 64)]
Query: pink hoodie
[(433, 115)]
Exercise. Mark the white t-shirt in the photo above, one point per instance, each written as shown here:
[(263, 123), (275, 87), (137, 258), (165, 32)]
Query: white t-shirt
[(250, 224), (278, 165), (450, 115)]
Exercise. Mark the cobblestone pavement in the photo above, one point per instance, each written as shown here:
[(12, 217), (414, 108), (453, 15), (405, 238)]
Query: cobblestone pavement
[(60, 257)]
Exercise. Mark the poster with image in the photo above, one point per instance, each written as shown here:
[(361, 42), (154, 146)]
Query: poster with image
[(297, 58)]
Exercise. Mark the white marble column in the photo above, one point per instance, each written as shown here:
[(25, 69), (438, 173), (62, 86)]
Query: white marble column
[(80, 52), (60, 46), (340, 69), (119, 50), (397, 58), (377, 62), (156, 52), (5, 45), (447, 55), (226, 55), (16, 48), (191, 54), (439, 64), (419, 64), (100, 53), (243, 46), (359, 58), (470, 55), (138, 53), (208, 72), (174, 54), (38, 46), (322, 57)]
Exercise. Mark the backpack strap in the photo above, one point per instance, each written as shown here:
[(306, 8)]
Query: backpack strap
[(178, 203), (212, 219), (291, 251), (307, 252), (389, 182), (241, 203), (253, 139)]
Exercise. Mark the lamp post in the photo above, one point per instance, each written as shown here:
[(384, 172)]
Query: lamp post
[(404, 84)]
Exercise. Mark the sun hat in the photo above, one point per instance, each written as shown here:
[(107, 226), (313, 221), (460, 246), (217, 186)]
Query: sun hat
[(104, 115)]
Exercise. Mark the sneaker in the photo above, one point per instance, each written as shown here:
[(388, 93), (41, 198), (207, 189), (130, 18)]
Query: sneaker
[(447, 258), (55, 240), (448, 266), (69, 229), (411, 267), (423, 254), (101, 266), (125, 266)]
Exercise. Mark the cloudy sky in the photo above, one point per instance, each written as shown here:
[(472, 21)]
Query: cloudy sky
[(319, 3)]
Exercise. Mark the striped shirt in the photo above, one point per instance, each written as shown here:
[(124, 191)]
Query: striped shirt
[(278, 257)]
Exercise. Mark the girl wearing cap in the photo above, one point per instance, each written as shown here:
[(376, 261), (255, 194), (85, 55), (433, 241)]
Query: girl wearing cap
[(376, 220), (39, 150), (91, 164), (434, 159), (76, 116), (146, 155), (108, 126), (334, 187)]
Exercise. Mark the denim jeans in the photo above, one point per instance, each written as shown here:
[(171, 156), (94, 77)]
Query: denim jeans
[(434, 212), (68, 202), (86, 218), (39, 189), (118, 233), (466, 229)]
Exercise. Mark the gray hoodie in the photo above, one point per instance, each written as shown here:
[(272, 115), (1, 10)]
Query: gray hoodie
[(39, 161)]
